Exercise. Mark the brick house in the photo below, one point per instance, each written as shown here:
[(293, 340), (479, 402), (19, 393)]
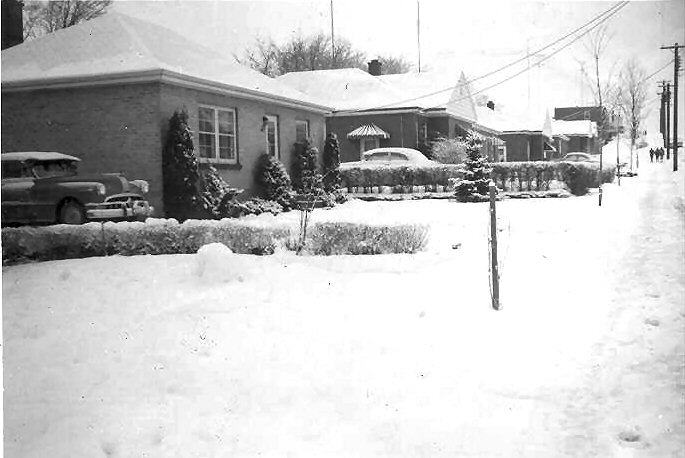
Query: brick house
[(371, 110), (104, 91)]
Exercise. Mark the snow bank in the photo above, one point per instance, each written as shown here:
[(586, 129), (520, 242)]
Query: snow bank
[(216, 263)]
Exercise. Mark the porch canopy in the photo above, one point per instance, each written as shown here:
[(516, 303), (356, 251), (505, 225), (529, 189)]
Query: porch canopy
[(368, 131)]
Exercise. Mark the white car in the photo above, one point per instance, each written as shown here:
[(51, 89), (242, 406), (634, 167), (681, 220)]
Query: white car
[(391, 156), (580, 157)]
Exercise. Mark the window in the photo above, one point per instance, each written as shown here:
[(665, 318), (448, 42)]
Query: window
[(217, 134), (301, 130), (366, 144), (271, 135)]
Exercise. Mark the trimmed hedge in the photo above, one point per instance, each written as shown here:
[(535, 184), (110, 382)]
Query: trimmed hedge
[(26, 244), (350, 238), (400, 175), (537, 176)]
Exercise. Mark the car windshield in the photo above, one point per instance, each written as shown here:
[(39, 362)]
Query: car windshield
[(54, 169)]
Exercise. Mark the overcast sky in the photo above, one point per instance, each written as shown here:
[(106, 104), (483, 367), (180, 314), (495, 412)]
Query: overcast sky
[(476, 37)]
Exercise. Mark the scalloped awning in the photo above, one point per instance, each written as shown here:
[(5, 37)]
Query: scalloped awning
[(368, 131)]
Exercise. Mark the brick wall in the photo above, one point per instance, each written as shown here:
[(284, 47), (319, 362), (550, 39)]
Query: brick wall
[(111, 128), (251, 139)]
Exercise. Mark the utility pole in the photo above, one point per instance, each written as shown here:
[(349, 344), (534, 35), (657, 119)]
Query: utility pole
[(418, 31), (665, 121), (332, 37), (676, 68)]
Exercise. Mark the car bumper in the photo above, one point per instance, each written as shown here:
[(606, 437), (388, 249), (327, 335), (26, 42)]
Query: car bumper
[(118, 210)]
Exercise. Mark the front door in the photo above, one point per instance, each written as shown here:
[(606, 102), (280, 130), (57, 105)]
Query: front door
[(271, 136), (366, 144)]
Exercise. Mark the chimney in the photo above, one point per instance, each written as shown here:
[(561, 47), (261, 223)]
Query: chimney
[(12, 23), (491, 105), (375, 67)]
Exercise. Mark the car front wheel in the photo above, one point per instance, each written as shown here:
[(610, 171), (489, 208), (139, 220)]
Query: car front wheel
[(72, 213)]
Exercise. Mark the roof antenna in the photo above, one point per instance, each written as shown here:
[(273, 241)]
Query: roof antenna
[(418, 31)]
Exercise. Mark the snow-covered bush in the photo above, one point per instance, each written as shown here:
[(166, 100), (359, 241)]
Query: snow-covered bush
[(334, 238), (213, 190), (234, 208), (448, 151), (273, 181), (181, 170), (366, 176), (474, 186), (541, 175), (161, 237), (305, 174)]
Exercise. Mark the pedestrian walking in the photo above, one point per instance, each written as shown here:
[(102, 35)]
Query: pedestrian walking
[(651, 154)]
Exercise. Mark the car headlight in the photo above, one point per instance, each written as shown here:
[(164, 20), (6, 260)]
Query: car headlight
[(101, 189), (142, 185)]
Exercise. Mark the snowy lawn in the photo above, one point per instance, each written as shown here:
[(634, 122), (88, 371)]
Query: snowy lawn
[(389, 355)]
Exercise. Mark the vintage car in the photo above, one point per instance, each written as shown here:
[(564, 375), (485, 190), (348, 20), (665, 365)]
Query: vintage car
[(45, 187), (390, 156)]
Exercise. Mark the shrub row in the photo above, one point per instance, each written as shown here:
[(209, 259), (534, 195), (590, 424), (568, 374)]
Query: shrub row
[(537, 176), (349, 238), (26, 244), (156, 237), (399, 175)]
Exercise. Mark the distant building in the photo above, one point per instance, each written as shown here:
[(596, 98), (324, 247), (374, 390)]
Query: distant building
[(409, 110), (581, 135), (104, 90)]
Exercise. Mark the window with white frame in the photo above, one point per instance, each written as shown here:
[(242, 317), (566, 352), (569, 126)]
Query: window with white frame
[(301, 130), (217, 134), (271, 135)]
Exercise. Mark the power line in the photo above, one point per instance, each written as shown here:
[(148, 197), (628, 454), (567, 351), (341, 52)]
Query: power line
[(603, 17)]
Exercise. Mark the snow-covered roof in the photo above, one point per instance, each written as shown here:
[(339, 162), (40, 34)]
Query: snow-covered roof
[(344, 89), (435, 90), (116, 46), (37, 156), (584, 128), (527, 124)]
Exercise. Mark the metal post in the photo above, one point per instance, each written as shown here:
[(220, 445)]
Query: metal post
[(600, 176), (493, 249)]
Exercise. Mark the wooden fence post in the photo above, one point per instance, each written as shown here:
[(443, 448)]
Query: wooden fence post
[(494, 270)]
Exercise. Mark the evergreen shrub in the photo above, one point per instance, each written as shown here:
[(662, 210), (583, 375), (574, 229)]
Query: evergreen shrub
[(474, 186), (273, 182), (181, 179)]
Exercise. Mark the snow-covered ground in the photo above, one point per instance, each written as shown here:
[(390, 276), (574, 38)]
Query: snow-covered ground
[(392, 355)]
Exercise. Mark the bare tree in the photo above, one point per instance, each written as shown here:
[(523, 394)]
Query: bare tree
[(603, 91), (392, 65), (313, 52), (632, 97), (263, 57), (41, 17)]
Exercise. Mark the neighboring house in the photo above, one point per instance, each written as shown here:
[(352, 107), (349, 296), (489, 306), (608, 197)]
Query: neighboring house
[(581, 135), (12, 23), (405, 110), (593, 114), (529, 139), (104, 91)]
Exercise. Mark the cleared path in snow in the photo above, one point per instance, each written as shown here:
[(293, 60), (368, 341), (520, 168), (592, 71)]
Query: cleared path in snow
[(631, 400)]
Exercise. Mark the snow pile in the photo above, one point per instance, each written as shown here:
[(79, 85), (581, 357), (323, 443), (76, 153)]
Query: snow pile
[(216, 263)]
